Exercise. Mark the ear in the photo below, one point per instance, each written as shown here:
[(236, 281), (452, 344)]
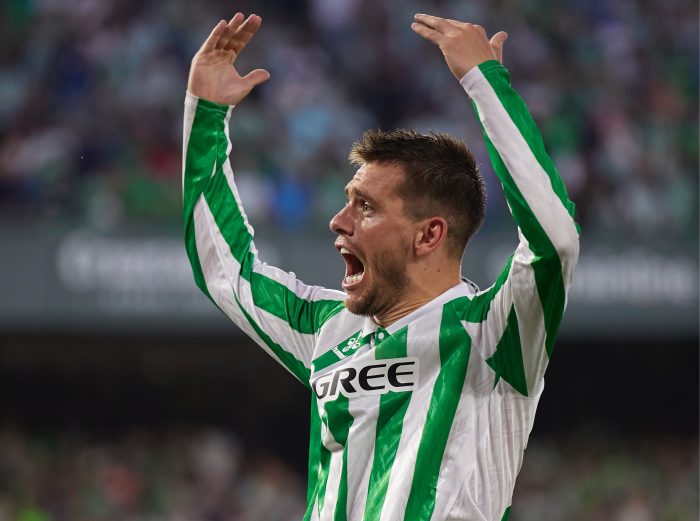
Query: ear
[(430, 236)]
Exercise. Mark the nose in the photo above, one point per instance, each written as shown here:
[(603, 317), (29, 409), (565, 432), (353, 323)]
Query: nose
[(341, 222)]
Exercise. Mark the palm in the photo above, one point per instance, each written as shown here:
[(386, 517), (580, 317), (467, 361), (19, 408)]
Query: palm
[(212, 75), (214, 78)]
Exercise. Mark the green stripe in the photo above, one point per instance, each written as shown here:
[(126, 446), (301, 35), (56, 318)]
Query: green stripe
[(228, 216), (302, 315), (207, 146), (506, 514), (340, 421), (296, 366), (315, 457), (199, 164), (392, 409), (268, 294), (305, 316), (477, 308), (546, 264), (191, 246), (499, 79), (507, 361), (345, 347), (455, 347), (324, 465)]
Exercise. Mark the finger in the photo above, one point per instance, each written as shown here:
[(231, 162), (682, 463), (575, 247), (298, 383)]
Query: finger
[(479, 28), (427, 33), (455, 23), (249, 27), (230, 31), (497, 41), (244, 33), (256, 77), (236, 21), (434, 22), (216, 33)]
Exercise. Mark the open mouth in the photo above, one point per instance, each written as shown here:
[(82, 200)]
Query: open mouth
[(354, 269)]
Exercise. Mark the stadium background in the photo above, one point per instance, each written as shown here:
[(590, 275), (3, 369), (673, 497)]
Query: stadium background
[(124, 395)]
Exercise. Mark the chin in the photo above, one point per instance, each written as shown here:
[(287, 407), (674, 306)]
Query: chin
[(355, 305), (359, 304), (365, 304)]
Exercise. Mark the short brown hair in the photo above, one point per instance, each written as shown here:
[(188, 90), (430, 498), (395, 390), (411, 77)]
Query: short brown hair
[(441, 177)]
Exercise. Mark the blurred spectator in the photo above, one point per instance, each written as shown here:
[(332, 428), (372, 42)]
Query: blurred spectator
[(206, 475), (590, 477), (183, 475), (92, 95)]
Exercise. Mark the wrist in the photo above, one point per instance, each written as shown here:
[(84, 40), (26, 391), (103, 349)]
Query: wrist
[(479, 73), (194, 101)]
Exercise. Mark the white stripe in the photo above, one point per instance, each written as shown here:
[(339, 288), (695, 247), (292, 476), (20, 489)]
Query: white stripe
[(301, 290), (527, 173), (314, 511), (528, 309), (335, 472), (511, 416), (361, 442), (424, 345), (486, 334), (288, 280), (299, 344), (485, 446), (221, 270), (278, 330), (190, 110), (469, 427), (520, 290), (504, 426), (228, 173), (211, 249)]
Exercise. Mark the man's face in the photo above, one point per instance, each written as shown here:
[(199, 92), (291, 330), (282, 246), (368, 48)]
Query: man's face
[(374, 238)]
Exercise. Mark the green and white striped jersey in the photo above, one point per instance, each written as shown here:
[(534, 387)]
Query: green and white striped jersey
[(429, 417)]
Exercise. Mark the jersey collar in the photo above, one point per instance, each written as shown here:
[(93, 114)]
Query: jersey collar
[(462, 289)]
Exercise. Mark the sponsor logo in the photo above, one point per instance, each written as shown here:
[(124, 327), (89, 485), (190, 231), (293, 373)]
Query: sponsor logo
[(349, 347), (375, 377)]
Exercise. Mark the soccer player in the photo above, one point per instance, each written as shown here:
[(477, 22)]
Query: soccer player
[(423, 388)]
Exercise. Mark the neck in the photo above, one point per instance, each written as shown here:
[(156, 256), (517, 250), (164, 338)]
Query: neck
[(416, 296)]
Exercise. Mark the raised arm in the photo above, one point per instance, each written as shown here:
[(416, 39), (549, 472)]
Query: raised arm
[(279, 312), (515, 321)]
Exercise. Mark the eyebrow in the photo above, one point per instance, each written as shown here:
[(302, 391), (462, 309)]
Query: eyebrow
[(358, 193)]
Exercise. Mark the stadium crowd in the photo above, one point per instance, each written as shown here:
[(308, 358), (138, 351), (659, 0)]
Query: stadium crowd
[(206, 475), (90, 135), (194, 475), (90, 123)]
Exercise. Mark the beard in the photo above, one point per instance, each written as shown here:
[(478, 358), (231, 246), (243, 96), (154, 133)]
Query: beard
[(388, 284)]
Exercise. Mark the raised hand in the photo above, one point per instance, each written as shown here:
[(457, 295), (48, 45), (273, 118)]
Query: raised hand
[(212, 74), (464, 45)]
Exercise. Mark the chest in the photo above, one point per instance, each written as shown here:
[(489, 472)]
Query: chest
[(365, 383)]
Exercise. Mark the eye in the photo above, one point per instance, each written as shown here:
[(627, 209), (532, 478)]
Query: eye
[(366, 207)]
